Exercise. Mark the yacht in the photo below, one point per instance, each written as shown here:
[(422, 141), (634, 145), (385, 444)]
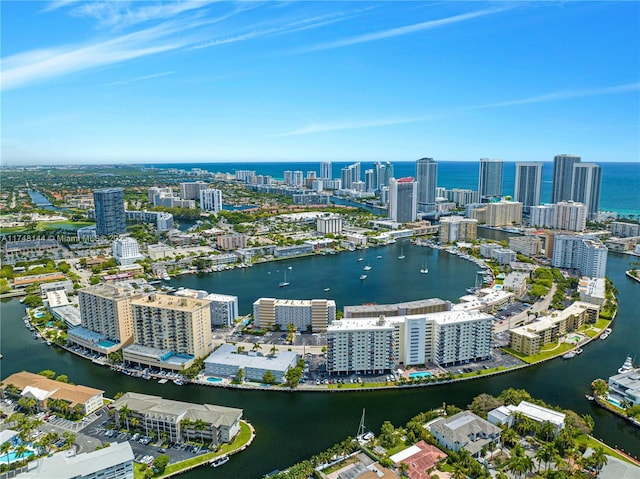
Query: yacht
[(424, 269), (402, 256), (367, 268), (326, 289), (284, 283), (165, 276), (363, 277), (220, 461), (627, 366), (569, 355), (178, 382)]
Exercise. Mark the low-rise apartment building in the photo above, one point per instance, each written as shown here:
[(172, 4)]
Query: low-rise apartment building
[(305, 314), (225, 362)]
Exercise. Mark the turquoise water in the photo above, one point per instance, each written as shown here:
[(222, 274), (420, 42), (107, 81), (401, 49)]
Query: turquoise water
[(106, 344), (619, 180), (615, 402), (421, 374), (214, 380), (38, 315), (14, 457)]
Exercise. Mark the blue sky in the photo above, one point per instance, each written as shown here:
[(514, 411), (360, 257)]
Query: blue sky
[(133, 81)]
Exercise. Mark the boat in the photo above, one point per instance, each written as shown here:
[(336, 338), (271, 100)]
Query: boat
[(326, 289), (627, 366), (290, 267), (22, 300), (178, 382), (569, 355), (162, 381), (367, 268), (604, 336), (589, 397), (284, 283), (402, 256), (220, 461), (363, 277), (361, 259), (607, 330), (165, 276), (578, 351), (424, 269), (379, 256)]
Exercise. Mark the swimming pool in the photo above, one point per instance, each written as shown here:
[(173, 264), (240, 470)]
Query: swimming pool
[(14, 457), (214, 380), (421, 374), (615, 402)]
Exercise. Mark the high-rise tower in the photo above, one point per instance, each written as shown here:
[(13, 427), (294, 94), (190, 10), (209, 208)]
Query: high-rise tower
[(563, 177), (528, 184), (489, 179), (109, 208), (403, 200), (585, 189), (427, 178)]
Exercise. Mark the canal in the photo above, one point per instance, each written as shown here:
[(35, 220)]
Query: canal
[(293, 426)]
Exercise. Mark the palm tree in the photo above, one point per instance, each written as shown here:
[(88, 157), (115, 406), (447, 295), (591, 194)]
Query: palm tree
[(200, 425), (5, 447), (124, 412), (256, 347), (509, 437), (185, 424), (135, 422), (599, 458), (546, 431), (273, 350), (21, 450), (458, 472), (546, 453)]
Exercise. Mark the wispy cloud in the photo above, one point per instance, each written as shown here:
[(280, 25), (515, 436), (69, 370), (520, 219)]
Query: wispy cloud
[(56, 4), (399, 31), (565, 95), (38, 65), (118, 14), (291, 26), (139, 79), (348, 125)]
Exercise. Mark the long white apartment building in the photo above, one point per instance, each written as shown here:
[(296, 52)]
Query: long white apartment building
[(585, 253), (381, 344), (304, 314), (526, 245), (224, 307), (329, 223), (570, 216)]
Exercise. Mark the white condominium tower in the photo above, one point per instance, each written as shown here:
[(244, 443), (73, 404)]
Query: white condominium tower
[(489, 179), (585, 253), (403, 196), (211, 200), (528, 184), (427, 178), (381, 344)]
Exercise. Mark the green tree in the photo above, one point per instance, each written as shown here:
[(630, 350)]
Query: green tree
[(47, 373), (600, 388), (63, 378), (268, 378), (293, 376), (240, 376), (124, 413), (161, 462), (388, 437), (599, 458)]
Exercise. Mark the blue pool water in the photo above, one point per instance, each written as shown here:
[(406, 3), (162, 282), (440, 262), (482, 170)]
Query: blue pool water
[(38, 314), (214, 380), (615, 402), (106, 344), (421, 374), (14, 457)]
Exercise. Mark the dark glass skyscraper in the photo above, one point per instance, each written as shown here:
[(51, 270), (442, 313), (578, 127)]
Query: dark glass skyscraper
[(110, 215), (528, 184), (587, 178), (489, 179), (427, 177), (563, 177)]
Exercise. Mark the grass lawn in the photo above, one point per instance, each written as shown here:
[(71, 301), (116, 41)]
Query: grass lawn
[(64, 225), (241, 439), (602, 323), (548, 351), (593, 443)]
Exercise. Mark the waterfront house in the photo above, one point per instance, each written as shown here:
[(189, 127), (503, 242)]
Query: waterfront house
[(465, 430)]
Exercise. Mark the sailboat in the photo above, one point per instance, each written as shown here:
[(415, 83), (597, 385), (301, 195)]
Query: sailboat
[(424, 269), (284, 283), (402, 256)]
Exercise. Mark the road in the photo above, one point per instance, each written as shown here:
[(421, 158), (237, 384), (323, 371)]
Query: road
[(529, 315)]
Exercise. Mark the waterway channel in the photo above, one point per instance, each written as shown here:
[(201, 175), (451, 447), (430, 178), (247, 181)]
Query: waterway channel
[(293, 426)]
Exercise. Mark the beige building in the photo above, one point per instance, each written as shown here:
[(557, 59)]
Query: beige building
[(422, 306), (457, 228), (105, 309), (169, 323), (304, 314), (527, 245), (530, 338), (42, 389), (231, 242), (504, 213)]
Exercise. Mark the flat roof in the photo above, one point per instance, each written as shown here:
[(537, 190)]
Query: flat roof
[(541, 414), (227, 354)]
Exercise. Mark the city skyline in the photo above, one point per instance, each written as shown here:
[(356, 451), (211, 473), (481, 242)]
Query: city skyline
[(200, 81)]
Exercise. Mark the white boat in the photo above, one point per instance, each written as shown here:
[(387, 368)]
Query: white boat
[(604, 336), (178, 382), (284, 283), (569, 355), (326, 289), (379, 256), (402, 256), (220, 461), (367, 268), (424, 269), (363, 277), (578, 351), (165, 276), (627, 366)]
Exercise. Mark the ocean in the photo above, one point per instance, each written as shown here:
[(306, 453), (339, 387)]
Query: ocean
[(620, 181)]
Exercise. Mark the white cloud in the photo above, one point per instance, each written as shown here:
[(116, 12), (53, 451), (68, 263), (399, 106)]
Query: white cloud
[(566, 95), (140, 78), (348, 125), (399, 31)]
